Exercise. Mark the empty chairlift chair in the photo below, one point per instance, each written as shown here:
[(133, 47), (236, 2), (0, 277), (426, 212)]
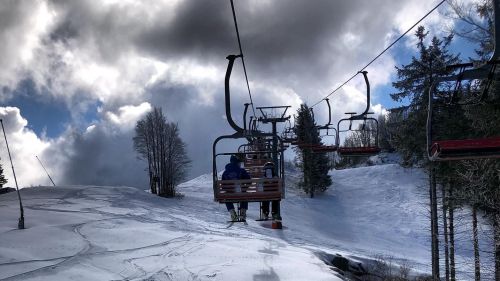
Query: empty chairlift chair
[(362, 129), (446, 143), (327, 133)]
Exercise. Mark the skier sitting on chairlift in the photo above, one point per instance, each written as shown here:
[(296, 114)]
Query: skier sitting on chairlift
[(270, 173), (233, 171)]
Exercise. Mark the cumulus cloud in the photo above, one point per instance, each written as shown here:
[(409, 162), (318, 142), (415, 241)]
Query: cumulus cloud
[(24, 145), (128, 56), (24, 24), (103, 153), (128, 115)]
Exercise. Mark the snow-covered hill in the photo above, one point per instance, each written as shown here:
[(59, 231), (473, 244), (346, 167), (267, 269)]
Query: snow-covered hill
[(115, 233)]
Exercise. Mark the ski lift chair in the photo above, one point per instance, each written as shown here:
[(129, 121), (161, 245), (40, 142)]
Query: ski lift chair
[(330, 132), (461, 144), (468, 147), (256, 155), (288, 135), (256, 189), (368, 128)]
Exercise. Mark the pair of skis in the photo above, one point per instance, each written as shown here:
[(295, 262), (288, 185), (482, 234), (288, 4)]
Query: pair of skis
[(231, 223), (276, 224)]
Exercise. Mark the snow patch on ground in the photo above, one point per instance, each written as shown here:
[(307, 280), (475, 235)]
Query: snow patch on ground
[(110, 233)]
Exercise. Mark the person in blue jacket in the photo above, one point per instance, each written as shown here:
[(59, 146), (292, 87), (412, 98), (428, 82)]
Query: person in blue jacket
[(233, 171)]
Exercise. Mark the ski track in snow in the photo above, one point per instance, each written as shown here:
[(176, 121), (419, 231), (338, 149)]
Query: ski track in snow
[(110, 211), (122, 233)]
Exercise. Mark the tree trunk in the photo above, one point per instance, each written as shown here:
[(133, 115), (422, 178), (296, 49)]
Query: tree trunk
[(452, 232), (477, 262), (434, 226), (496, 230), (445, 233)]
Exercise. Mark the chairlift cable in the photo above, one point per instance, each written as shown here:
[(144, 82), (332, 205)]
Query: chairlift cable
[(381, 53), (242, 57)]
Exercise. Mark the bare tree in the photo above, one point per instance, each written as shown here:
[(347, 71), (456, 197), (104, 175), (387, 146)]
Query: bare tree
[(158, 142)]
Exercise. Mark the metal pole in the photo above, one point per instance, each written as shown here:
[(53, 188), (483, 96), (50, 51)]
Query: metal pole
[(275, 148), (45, 170), (20, 224)]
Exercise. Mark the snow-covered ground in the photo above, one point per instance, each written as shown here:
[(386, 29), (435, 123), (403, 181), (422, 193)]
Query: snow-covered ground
[(117, 233)]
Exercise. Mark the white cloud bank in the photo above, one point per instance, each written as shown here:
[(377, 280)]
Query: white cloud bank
[(128, 56)]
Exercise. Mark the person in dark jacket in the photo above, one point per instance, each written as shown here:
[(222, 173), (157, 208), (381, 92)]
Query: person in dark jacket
[(233, 171)]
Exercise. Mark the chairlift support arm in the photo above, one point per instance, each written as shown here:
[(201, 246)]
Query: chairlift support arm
[(231, 59), (364, 113)]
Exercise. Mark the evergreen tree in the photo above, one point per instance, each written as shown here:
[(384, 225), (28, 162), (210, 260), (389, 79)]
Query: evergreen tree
[(480, 178), (314, 165), (3, 180), (410, 135), (414, 81)]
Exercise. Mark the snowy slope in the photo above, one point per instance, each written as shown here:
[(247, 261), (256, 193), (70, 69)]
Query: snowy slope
[(115, 233)]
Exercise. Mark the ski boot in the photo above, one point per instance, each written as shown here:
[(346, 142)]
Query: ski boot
[(243, 214), (276, 224), (234, 216), (265, 216)]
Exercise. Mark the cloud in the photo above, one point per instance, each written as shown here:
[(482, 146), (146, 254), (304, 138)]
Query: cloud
[(127, 56), (24, 145), (128, 115), (103, 153), (23, 23)]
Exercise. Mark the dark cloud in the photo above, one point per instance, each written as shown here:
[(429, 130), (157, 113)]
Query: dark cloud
[(294, 46), (16, 24), (97, 157), (282, 40)]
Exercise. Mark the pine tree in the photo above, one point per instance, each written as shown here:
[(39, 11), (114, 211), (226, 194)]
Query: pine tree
[(481, 178), (3, 180), (414, 81), (410, 135), (314, 165)]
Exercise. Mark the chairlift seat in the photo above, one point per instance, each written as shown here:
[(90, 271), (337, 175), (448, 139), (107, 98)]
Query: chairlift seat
[(358, 151), (255, 172), (252, 190), (303, 145), (250, 162), (465, 149), (325, 148)]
